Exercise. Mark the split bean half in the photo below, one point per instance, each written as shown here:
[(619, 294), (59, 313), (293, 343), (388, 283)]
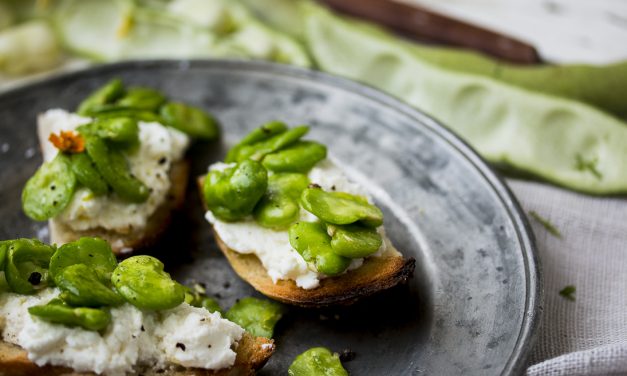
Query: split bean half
[(232, 194), (354, 241), (26, 265), (341, 208), (142, 281), (257, 316), (301, 157), (82, 286), (50, 190), (93, 252), (317, 361), (313, 243), (108, 93), (262, 133), (56, 311), (86, 174), (191, 120), (279, 207)]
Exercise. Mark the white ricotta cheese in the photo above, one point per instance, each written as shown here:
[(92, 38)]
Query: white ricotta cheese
[(273, 248), (133, 338), (150, 163)]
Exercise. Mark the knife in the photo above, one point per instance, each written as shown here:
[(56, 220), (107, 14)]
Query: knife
[(425, 25)]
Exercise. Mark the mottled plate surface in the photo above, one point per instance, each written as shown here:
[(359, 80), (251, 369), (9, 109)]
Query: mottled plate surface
[(472, 306)]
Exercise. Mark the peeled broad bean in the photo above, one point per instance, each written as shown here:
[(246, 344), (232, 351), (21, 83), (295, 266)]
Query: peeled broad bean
[(341, 208), (200, 299), (311, 241), (232, 194), (108, 93), (50, 190), (26, 265), (260, 149), (82, 286), (142, 281), (279, 207), (141, 98), (262, 133), (115, 111), (191, 120), (257, 316), (354, 241), (317, 361), (299, 157), (555, 139), (118, 129), (86, 174), (59, 313), (113, 167), (93, 252)]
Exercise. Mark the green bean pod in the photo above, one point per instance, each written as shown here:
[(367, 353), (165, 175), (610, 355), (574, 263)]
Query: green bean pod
[(60, 313), (317, 361), (558, 140), (257, 316)]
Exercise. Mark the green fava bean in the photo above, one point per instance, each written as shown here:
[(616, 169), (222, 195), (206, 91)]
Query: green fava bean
[(117, 129), (113, 90), (354, 241), (86, 173), (60, 313), (257, 316), (141, 98), (82, 286), (317, 361), (191, 120), (279, 206), (340, 208), (311, 241), (111, 111), (259, 150), (93, 252), (4, 246), (26, 265), (50, 190), (299, 157), (142, 281), (262, 133), (232, 194), (114, 169)]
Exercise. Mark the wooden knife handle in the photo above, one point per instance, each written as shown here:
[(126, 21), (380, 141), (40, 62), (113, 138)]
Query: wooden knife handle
[(426, 25)]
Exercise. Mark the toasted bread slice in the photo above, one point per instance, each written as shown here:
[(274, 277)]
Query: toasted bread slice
[(252, 354), (139, 238), (375, 275)]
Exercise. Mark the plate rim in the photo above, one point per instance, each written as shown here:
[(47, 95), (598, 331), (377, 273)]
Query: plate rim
[(534, 299)]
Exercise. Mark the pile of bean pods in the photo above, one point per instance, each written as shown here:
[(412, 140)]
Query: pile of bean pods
[(268, 179), (90, 281), (95, 157)]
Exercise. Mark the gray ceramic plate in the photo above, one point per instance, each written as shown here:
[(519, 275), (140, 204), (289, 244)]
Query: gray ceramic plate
[(472, 305)]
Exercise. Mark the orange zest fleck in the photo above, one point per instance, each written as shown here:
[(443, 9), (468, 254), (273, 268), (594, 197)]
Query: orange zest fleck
[(68, 142)]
